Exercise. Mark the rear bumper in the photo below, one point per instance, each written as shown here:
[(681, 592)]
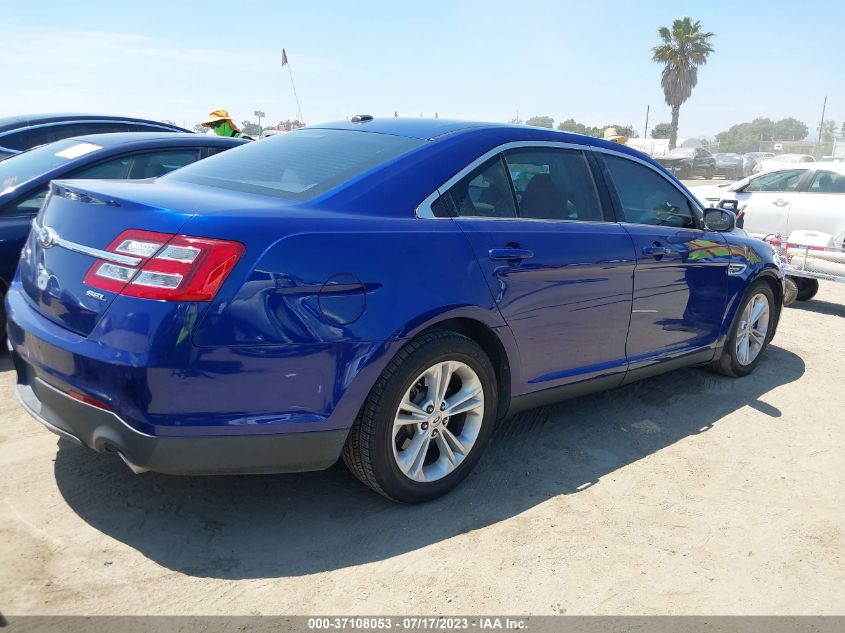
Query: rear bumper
[(105, 432)]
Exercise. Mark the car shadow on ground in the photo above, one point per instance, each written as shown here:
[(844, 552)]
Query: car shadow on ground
[(820, 307), (271, 526)]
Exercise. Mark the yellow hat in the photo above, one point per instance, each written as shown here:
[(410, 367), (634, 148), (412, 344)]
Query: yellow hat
[(219, 115), (610, 134)]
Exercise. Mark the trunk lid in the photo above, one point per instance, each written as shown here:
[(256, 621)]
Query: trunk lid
[(77, 217), (82, 215)]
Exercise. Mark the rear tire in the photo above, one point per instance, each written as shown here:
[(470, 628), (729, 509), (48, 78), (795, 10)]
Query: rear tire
[(750, 332), (405, 443), (807, 288)]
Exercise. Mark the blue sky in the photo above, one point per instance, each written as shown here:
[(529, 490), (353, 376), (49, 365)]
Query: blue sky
[(475, 59)]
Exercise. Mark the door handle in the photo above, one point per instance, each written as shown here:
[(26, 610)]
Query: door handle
[(657, 250), (780, 203), (510, 254)]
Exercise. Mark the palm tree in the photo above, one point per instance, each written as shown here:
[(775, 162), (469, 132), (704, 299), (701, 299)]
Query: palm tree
[(683, 50)]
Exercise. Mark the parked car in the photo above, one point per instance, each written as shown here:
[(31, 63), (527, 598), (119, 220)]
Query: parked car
[(20, 133), (685, 162), (377, 288), (780, 160), (802, 196), (24, 178), (729, 165), (758, 156)]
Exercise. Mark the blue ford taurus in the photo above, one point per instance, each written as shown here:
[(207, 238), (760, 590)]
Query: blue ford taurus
[(384, 290)]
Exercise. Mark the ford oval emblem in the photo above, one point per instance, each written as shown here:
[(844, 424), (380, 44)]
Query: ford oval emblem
[(47, 237)]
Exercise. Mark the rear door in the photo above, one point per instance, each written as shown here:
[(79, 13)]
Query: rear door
[(680, 282), (820, 206), (560, 273)]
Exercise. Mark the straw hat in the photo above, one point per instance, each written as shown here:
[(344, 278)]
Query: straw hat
[(219, 115), (610, 134)]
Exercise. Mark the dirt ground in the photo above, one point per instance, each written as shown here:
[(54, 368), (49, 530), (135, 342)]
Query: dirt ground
[(689, 493)]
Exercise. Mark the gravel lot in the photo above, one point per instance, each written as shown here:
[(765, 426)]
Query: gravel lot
[(689, 493)]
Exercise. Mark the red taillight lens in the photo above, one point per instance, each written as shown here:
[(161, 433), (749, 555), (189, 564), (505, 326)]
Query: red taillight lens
[(170, 267)]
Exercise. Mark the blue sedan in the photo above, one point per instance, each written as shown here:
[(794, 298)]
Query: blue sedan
[(380, 290), (25, 177)]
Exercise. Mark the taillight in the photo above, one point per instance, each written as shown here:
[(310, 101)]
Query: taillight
[(165, 266)]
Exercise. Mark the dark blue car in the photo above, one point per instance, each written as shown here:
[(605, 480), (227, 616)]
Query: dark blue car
[(25, 177), (23, 132), (384, 290)]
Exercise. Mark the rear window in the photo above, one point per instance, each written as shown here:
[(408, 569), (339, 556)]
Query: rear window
[(299, 165), (20, 168)]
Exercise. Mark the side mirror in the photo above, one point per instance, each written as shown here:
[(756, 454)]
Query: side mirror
[(721, 220)]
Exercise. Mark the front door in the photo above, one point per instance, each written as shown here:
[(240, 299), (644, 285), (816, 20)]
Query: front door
[(680, 281)]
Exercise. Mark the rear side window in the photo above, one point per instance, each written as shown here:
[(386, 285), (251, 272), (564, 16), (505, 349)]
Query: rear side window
[(647, 197), (484, 192), (827, 182), (553, 184), (300, 165)]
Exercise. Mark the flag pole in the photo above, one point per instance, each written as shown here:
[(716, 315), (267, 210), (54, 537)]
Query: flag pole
[(286, 62)]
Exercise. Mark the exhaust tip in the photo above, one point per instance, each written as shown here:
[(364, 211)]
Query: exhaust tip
[(133, 467)]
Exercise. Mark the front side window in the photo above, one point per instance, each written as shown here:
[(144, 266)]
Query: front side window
[(299, 165), (648, 198), (776, 181), (484, 192), (553, 184)]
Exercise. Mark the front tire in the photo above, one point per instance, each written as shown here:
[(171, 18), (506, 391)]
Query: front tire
[(750, 333), (807, 288), (426, 421)]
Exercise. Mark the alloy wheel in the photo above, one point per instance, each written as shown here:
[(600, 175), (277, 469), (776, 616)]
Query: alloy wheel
[(438, 421), (752, 329)]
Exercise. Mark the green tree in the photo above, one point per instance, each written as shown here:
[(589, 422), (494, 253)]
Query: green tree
[(622, 130), (571, 125), (516, 121), (661, 130), (684, 48), (541, 121), (828, 130), (754, 135), (790, 130), (250, 129)]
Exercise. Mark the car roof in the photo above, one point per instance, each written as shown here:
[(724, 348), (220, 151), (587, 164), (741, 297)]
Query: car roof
[(21, 121), (114, 139), (424, 129), (437, 129)]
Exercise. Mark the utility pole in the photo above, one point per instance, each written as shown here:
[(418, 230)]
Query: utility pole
[(645, 131), (821, 124), (259, 114)]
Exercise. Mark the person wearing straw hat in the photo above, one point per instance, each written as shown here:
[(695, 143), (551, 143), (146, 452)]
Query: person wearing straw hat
[(222, 124), (610, 134)]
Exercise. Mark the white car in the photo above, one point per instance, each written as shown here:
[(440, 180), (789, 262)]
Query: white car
[(808, 196), (782, 160)]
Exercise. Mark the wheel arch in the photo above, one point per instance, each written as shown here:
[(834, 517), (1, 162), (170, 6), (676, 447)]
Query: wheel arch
[(488, 340), (775, 283)]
